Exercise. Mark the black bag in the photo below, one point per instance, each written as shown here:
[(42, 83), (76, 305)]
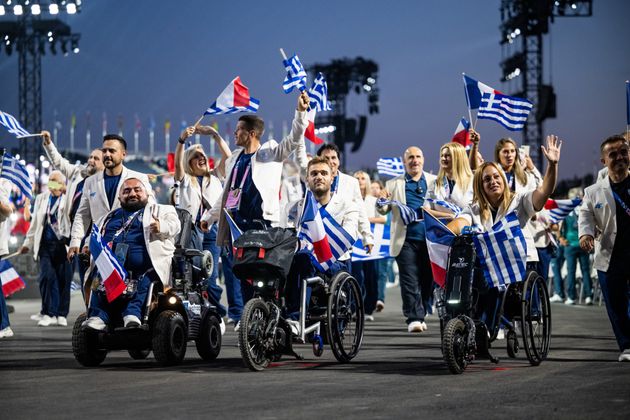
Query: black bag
[(264, 253)]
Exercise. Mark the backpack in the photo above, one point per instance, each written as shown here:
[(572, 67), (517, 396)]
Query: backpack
[(264, 253)]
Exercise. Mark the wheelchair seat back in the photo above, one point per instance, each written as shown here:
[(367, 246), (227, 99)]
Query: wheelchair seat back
[(460, 270), (182, 240)]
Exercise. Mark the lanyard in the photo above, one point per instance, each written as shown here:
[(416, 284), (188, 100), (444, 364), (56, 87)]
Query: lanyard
[(125, 227), (623, 205), (53, 211), (234, 172)]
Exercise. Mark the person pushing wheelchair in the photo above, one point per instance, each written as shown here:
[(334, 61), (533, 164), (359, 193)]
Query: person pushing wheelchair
[(141, 235)]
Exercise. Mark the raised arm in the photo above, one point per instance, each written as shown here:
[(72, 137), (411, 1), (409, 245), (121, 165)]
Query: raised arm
[(298, 127), (179, 152), (472, 157), (552, 153), (58, 162), (223, 147)]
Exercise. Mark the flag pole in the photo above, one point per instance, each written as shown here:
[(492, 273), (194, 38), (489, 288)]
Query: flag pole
[(30, 135), (284, 56)]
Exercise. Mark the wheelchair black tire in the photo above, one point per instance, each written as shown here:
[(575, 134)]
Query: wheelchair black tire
[(535, 322), (136, 354), (512, 344), (169, 338), (209, 341), (83, 345), (454, 343), (345, 317), (251, 341)]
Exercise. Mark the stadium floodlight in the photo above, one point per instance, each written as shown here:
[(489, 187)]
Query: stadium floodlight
[(36, 9), (71, 8), (18, 10), (53, 8), (2, 11)]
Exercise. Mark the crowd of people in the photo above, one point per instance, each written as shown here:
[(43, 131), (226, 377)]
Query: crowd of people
[(262, 184)]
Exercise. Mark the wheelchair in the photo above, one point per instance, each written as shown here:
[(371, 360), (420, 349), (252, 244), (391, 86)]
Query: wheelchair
[(332, 314), (471, 313), (172, 316)]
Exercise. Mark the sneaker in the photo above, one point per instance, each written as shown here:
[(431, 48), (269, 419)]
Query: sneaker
[(36, 317), (416, 327), (588, 301), (295, 326), (94, 323), (231, 321), (501, 334), (62, 321), (569, 301), (47, 321), (6, 332), (623, 357), (237, 326), (380, 305), (369, 317), (555, 298), (131, 321), (222, 326)]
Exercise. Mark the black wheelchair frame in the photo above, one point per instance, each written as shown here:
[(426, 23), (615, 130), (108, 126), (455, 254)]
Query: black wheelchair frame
[(171, 317), (335, 306), (523, 306)]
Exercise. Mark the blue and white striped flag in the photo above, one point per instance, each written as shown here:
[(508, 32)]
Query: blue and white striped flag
[(407, 214), (319, 94), (13, 125), (446, 205), (15, 172), (502, 252), (339, 240), (558, 210), (296, 75), (390, 166), (380, 249), (509, 111)]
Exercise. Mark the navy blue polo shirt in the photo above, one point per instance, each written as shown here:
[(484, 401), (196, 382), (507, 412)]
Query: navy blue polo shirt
[(250, 208), (111, 185), (415, 191)]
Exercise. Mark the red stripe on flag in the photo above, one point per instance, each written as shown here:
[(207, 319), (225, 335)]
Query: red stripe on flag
[(462, 137), (114, 286), (310, 133), (322, 250), (13, 286), (439, 274), (551, 204), (241, 93)]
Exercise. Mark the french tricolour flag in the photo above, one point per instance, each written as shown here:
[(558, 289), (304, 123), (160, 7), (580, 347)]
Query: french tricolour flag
[(462, 135), (112, 273), (313, 229), (11, 280), (310, 129), (475, 90), (234, 98), (439, 239)]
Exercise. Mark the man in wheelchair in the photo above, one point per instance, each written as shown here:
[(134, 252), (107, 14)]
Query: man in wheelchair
[(141, 235), (343, 210)]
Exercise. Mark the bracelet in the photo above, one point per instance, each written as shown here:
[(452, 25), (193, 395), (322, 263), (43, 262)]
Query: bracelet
[(181, 141)]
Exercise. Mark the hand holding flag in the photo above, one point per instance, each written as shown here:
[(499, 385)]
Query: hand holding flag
[(296, 75)]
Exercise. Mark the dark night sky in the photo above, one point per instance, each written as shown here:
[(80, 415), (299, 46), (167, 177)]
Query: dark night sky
[(171, 60)]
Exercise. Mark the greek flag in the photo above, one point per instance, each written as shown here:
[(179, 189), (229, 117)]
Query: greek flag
[(319, 94), (15, 172), (509, 111), (390, 166), (296, 75), (407, 214), (12, 125), (558, 210), (380, 250), (502, 252), (339, 240), (445, 204)]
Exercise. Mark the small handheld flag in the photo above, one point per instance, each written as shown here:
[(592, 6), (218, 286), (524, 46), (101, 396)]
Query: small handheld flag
[(380, 250), (439, 239), (390, 166), (296, 75), (312, 229), (309, 133), (14, 171), (560, 209), (474, 91), (235, 231), (319, 94), (234, 98), (509, 111), (13, 125), (112, 273), (11, 280), (407, 214), (462, 133)]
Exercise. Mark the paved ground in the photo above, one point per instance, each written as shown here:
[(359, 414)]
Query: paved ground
[(396, 375)]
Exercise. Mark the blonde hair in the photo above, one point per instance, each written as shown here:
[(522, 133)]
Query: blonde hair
[(479, 194), (188, 154), (460, 167), (365, 189), (518, 170)]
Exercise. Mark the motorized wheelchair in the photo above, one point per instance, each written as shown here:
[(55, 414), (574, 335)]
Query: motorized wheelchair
[(333, 312), (471, 312), (172, 316)]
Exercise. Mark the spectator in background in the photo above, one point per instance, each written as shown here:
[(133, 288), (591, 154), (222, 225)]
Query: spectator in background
[(5, 211), (383, 265)]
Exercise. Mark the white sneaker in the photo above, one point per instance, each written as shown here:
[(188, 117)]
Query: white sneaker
[(47, 321), (62, 321), (380, 305), (416, 327), (555, 298), (131, 321), (369, 317), (588, 301), (569, 301), (237, 326), (6, 332), (623, 357), (231, 321), (36, 317), (222, 326), (94, 323), (501, 334), (295, 326)]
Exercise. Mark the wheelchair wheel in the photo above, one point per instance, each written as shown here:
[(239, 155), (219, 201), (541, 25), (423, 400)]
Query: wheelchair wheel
[(345, 317), (535, 318), (209, 341), (455, 346), (139, 354), (251, 336), (512, 344), (169, 338), (84, 345)]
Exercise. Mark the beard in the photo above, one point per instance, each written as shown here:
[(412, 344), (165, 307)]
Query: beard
[(133, 206)]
